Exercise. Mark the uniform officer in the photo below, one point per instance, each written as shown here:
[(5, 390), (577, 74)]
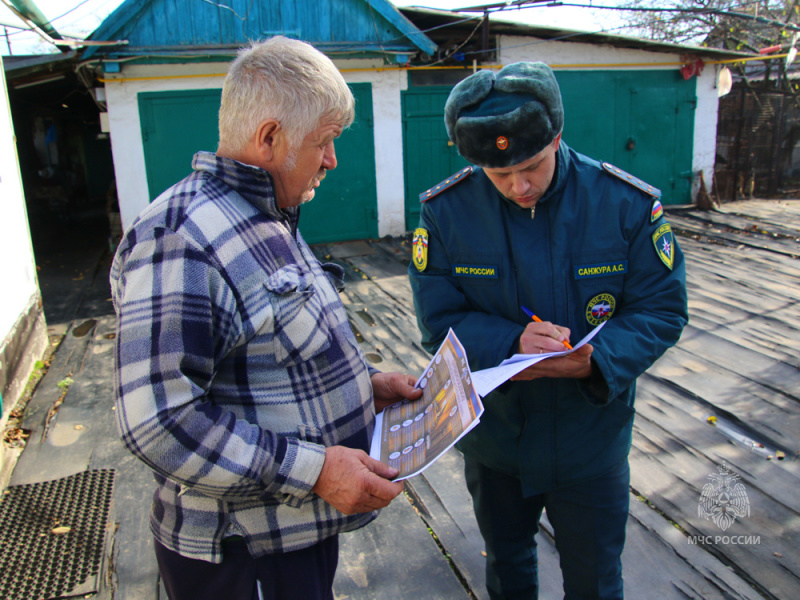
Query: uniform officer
[(578, 242)]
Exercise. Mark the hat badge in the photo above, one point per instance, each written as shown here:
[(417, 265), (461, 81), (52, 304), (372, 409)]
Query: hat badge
[(502, 142)]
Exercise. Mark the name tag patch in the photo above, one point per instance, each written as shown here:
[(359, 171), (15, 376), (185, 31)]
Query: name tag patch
[(601, 270), (481, 271)]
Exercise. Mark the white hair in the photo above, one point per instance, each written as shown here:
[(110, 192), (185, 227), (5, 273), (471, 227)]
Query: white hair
[(286, 80)]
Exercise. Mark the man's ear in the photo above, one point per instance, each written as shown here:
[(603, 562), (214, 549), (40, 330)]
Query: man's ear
[(268, 138), (557, 141)]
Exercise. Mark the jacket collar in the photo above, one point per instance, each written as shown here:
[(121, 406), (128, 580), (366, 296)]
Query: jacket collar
[(560, 176), (254, 184)]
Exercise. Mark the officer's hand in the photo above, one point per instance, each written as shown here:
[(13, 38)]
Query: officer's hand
[(388, 388), (543, 337), (575, 365), (352, 482)]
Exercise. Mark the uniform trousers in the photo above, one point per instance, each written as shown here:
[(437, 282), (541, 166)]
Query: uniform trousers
[(588, 522), (305, 574)]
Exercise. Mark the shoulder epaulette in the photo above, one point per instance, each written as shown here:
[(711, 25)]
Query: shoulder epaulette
[(634, 181), (447, 183)]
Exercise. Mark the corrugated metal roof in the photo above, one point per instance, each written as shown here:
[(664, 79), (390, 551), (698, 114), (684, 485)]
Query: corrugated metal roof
[(29, 12), (38, 62), (428, 18)]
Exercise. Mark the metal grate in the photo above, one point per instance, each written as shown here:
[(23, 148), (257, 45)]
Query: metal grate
[(52, 536), (757, 132)]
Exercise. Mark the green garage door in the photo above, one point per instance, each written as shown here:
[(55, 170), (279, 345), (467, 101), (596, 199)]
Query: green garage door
[(641, 121), (175, 125), (345, 206), (428, 156)]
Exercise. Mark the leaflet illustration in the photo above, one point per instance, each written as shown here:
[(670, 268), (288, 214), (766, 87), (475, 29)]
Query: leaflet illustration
[(411, 435)]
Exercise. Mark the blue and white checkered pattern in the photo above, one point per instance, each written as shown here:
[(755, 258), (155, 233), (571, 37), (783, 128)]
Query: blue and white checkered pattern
[(236, 365)]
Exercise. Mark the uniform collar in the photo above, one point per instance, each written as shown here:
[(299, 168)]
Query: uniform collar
[(560, 176)]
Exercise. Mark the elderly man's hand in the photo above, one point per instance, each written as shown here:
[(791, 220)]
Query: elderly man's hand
[(388, 388), (352, 482)]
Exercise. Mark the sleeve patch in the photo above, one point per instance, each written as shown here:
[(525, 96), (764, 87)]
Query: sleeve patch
[(419, 253), (447, 183), (634, 181), (656, 211), (664, 243)]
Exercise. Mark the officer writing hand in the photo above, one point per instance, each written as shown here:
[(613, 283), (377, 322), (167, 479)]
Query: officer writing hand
[(538, 338)]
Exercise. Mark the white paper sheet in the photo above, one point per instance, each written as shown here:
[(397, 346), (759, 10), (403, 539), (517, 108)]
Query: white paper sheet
[(488, 379)]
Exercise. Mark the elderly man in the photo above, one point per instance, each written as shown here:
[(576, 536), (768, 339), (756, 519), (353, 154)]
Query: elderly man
[(541, 229), (238, 379)]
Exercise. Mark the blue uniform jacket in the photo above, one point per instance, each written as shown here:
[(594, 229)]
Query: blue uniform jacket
[(593, 249)]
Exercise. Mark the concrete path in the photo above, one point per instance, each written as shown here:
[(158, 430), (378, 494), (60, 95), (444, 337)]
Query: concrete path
[(726, 396)]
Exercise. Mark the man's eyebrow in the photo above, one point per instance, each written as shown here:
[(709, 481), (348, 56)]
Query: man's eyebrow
[(329, 137), (530, 166), (536, 164)]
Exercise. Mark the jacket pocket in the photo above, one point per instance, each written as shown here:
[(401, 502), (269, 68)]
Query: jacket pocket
[(301, 329)]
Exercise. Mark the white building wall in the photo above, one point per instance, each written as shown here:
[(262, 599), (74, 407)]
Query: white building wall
[(23, 333), (705, 128), (17, 267), (562, 55), (574, 55), (388, 118), (126, 136)]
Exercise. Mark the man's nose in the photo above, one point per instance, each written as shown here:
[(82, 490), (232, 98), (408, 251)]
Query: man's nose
[(519, 185), (329, 158)]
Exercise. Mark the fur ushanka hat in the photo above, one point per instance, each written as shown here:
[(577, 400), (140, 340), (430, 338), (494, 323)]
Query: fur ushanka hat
[(500, 120)]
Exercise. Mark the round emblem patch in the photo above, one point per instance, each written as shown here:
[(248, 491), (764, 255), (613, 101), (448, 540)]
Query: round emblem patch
[(502, 142), (600, 308)]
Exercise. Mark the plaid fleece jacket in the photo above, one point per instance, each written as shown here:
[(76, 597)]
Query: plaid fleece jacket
[(235, 365)]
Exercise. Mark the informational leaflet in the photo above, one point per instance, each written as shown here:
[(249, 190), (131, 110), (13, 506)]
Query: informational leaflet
[(411, 435)]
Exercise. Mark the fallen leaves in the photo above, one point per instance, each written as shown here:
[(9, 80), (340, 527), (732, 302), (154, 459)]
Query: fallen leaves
[(15, 437)]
